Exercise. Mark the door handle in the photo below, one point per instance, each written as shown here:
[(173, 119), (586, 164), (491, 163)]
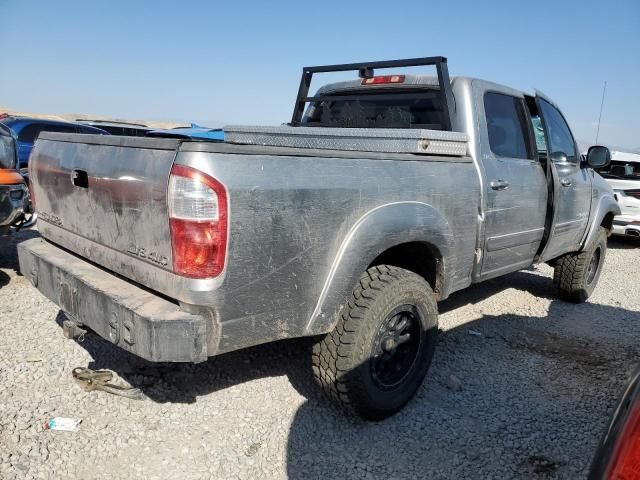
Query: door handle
[(565, 182), (499, 184)]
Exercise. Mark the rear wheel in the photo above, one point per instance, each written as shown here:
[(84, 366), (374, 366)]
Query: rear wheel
[(377, 356), (576, 275)]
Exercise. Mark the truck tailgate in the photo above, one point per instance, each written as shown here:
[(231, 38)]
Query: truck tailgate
[(99, 194)]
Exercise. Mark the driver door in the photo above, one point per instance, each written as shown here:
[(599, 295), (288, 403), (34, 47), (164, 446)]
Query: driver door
[(571, 184)]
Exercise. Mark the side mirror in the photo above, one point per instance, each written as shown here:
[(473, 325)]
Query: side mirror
[(598, 156)]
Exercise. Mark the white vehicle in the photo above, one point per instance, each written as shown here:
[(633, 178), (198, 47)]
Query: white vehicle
[(623, 174)]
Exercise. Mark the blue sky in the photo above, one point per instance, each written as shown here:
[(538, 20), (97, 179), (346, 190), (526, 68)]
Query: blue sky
[(239, 62)]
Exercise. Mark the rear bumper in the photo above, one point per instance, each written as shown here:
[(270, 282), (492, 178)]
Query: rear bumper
[(628, 226), (134, 319)]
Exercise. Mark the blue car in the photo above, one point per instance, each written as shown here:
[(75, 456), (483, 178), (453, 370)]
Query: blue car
[(26, 129), (194, 132)]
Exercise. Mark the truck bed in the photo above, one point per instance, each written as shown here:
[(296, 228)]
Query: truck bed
[(292, 214)]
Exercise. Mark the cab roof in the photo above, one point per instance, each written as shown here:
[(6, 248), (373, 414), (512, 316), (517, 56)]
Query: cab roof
[(417, 81)]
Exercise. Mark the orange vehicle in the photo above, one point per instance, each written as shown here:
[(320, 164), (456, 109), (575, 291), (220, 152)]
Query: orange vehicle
[(15, 205)]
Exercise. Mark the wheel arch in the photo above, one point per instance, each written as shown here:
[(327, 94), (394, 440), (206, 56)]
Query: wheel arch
[(607, 221), (420, 257), (404, 234), (606, 209)]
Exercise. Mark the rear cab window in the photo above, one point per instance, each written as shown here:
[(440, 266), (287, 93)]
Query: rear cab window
[(509, 134), (405, 108)]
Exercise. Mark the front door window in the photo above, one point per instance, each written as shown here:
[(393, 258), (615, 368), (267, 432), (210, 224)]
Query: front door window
[(561, 144)]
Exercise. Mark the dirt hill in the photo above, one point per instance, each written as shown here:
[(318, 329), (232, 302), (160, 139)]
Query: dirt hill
[(84, 116)]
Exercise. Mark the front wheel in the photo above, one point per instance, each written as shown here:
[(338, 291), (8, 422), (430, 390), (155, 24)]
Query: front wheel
[(377, 356), (576, 275)]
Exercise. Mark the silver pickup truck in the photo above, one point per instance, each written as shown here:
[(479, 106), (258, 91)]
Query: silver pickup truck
[(383, 196)]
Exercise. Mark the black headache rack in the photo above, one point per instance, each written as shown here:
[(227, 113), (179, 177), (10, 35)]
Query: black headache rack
[(366, 70)]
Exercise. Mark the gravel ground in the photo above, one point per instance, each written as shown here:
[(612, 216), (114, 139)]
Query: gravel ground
[(538, 379)]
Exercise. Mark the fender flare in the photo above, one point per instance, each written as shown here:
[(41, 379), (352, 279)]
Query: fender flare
[(376, 231), (606, 204)]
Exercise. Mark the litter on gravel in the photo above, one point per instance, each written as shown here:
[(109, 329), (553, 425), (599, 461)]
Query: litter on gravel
[(62, 423)]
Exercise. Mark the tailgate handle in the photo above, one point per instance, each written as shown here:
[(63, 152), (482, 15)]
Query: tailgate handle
[(80, 178)]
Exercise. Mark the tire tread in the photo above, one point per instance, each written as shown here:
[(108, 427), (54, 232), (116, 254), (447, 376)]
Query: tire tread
[(570, 271), (331, 356)]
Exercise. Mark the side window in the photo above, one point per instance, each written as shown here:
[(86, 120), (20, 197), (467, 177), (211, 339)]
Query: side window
[(59, 128), (7, 151), (538, 131), (507, 126), (29, 133), (561, 145)]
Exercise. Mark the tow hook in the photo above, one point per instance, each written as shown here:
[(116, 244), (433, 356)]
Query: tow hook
[(73, 331), (90, 380)]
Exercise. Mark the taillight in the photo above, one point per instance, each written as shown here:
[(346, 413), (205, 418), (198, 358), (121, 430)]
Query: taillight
[(382, 79), (625, 462), (198, 213)]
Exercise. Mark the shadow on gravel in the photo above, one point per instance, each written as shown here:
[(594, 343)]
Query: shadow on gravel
[(538, 285), (623, 243), (4, 279), (533, 404), (183, 383), (510, 420), (441, 433), (9, 249)]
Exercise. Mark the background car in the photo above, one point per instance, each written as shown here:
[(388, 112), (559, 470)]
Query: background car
[(623, 174), (127, 129), (15, 209), (196, 132), (27, 130)]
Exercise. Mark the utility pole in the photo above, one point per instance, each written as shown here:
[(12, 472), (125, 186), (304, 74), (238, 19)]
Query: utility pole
[(604, 89)]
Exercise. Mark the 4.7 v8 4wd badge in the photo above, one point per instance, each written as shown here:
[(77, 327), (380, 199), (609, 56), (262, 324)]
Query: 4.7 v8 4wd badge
[(51, 218), (147, 255)]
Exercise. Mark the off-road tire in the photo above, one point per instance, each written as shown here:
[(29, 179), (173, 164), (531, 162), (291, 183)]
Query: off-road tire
[(571, 273), (343, 360)]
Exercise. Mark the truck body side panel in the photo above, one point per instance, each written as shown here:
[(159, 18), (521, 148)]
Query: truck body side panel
[(293, 219)]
